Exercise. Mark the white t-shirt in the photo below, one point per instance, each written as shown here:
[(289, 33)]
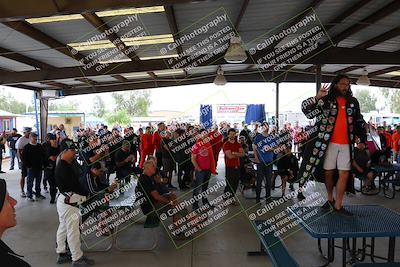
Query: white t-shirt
[(21, 142)]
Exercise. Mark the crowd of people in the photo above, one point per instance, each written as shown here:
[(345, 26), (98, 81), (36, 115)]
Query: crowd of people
[(79, 167), (179, 148)]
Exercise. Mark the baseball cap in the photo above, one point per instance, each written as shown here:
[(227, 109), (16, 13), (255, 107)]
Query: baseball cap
[(26, 129), (51, 136), (68, 144)]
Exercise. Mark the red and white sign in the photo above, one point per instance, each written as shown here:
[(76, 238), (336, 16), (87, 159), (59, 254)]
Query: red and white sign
[(231, 109)]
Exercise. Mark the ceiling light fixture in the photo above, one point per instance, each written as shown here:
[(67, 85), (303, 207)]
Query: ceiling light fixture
[(158, 57), (220, 78), (363, 79), (235, 52), (101, 44), (148, 40), (110, 13), (115, 61), (130, 11), (54, 18)]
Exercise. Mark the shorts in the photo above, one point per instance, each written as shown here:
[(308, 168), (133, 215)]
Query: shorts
[(361, 174), (24, 171), (337, 156)]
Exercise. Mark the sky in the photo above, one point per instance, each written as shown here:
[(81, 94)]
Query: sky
[(188, 98)]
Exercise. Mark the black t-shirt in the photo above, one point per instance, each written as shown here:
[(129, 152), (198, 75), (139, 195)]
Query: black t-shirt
[(288, 162), (361, 157), (8, 258), (33, 156), (247, 134), (50, 151), (178, 147), (146, 186), (161, 188), (166, 153), (67, 177), (89, 152), (12, 139), (114, 147), (125, 169), (92, 185), (134, 140)]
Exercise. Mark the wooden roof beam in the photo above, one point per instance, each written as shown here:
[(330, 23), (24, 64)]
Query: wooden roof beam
[(101, 26), (27, 29), (170, 13), (23, 59)]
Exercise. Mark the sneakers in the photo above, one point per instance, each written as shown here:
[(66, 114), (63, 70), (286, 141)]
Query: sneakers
[(328, 206), (63, 258), (2, 172), (343, 212), (40, 197), (300, 196), (170, 186), (184, 187), (31, 199), (367, 190), (23, 195), (82, 262)]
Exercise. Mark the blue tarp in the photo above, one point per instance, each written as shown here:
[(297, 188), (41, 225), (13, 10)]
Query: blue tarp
[(206, 116), (255, 113)]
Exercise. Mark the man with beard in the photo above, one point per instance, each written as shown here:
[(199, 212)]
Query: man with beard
[(338, 121)]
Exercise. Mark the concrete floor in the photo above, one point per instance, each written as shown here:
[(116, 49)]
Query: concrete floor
[(225, 245)]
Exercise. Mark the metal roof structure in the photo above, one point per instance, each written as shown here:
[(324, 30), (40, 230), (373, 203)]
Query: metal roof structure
[(44, 54)]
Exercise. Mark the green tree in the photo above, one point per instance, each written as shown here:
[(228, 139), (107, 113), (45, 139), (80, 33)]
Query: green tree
[(99, 107), (366, 99), (136, 103), (63, 105), (120, 117), (10, 104), (395, 101), (392, 99)]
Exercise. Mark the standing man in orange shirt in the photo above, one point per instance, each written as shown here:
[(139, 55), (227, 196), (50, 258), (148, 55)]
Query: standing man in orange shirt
[(157, 135), (146, 146), (338, 121), (395, 144)]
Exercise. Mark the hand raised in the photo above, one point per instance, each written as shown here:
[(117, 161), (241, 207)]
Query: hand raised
[(323, 91)]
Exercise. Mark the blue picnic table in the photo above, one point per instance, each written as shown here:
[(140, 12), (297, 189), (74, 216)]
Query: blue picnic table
[(368, 221), (388, 178)]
